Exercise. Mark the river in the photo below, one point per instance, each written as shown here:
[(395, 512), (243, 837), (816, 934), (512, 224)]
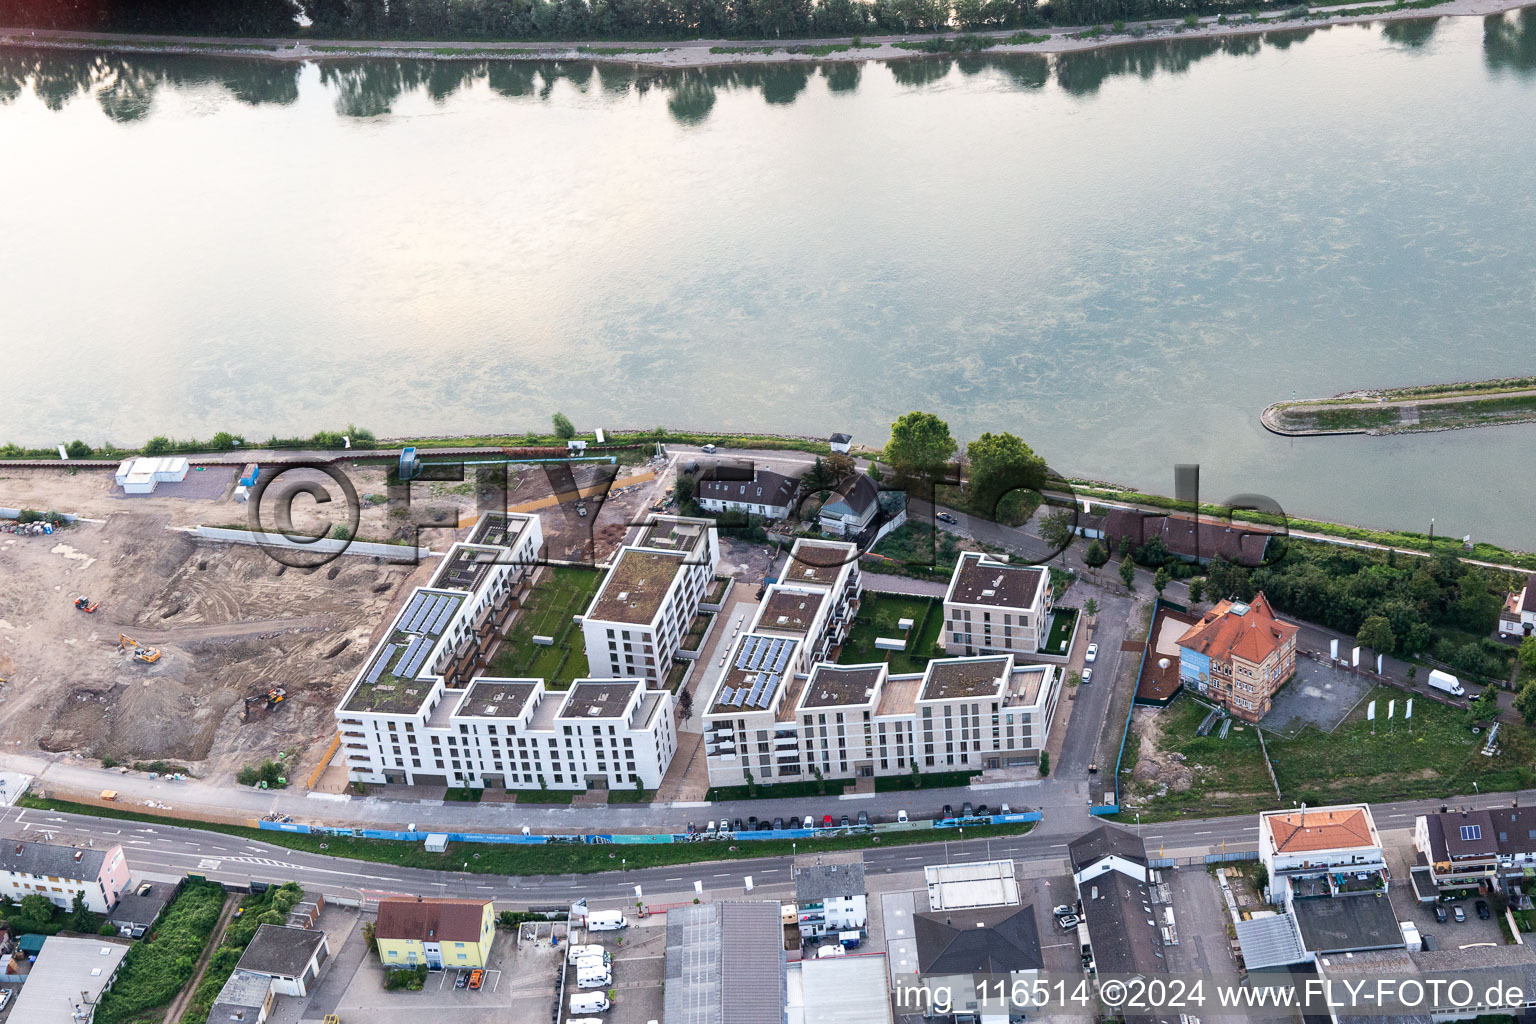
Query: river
[(1121, 255)]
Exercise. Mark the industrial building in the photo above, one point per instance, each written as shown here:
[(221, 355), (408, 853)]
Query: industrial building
[(725, 964), (67, 981)]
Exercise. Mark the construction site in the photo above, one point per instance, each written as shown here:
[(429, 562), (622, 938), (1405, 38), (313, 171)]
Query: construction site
[(124, 636)]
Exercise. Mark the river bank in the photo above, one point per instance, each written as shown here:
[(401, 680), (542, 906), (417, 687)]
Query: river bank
[(1407, 410), (709, 52)]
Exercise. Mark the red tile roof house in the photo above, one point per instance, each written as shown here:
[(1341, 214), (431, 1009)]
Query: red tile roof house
[(1239, 655), (1519, 615)]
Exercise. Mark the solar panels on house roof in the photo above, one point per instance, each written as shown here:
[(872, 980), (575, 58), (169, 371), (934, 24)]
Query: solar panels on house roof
[(415, 606), (380, 662), (725, 694), (441, 619), (1471, 833)]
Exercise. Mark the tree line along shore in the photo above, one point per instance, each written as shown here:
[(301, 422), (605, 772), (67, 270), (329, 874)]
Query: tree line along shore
[(362, 27), (1416, 409)]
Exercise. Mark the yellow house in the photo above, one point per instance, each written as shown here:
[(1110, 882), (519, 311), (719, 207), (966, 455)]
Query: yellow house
[(436, 932)]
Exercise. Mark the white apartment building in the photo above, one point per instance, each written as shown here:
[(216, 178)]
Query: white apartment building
[(646, 603), (830, 898), (1321, 851), (852, 721), (992, 607), (513, 734)]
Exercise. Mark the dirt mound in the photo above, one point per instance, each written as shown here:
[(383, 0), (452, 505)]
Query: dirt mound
[(226, 622)]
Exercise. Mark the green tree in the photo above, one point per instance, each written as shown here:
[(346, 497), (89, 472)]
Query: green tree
[(1527, 654), (1485, 708), (1376, 633), (1128, 572), (78, 450), (751, 782), (1525, 702), (920, 446), (1096, 557), (1045, 763), (1090, 608), (1005, 476), (840, 466), (80, 917), (36, 908), (1056, 530), (157, 445), (819, 477), (1196, 590), (1160, 579), (564, 428), (917, 776)]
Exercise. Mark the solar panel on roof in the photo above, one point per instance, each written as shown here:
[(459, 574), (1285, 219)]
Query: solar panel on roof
[(757, 688), (746, 652), (421, 656), (782, 660), (405, 656), (725, 694), (378, 666), (741, 696), (414, 607), (413, 623), (768, 691), (450, 604), (758, 651)]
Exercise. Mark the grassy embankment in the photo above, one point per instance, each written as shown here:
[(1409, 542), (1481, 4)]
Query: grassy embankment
[(1440, 757), (543, 859), (1472, 404)]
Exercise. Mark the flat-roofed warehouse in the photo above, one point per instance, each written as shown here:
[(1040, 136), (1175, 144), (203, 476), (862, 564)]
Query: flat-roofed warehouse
[(725, 964), (989, 883)]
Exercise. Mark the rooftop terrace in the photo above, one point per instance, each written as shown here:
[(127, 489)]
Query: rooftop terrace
[(498, 528), (466, 566), (636, 586), (676, 533), (389, 682)]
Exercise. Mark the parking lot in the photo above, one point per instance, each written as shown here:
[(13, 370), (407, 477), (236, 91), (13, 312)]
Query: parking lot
[(1452, 934), (638, 965)]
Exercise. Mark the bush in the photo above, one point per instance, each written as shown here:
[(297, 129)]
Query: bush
[(411, 979), (269, 772), (154, 971)]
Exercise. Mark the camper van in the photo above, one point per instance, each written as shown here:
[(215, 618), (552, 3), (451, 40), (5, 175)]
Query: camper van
[(589, 1002), (1446, 683), (574, 954), (593, 975), (605, 921), (592, 961)]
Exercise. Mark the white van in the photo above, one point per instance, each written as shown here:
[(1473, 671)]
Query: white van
[(578, 952), (605, 921), (1446, 683), (590, 975), (591, 962), (589, 1002)]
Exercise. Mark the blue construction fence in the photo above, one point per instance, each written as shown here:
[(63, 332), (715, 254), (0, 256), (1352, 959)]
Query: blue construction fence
[(637, 839)]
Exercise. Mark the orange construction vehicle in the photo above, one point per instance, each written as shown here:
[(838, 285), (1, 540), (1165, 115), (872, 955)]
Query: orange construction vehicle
[(85, 604), (148, 655)]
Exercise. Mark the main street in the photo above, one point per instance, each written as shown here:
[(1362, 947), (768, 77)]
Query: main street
[(166, 850)]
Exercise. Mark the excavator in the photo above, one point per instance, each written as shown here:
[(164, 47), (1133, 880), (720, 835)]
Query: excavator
[(265, 701), (148, 655), (85, 604)]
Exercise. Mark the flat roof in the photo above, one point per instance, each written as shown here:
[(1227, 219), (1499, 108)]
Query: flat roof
[(1024, 684), (243, 990), (818, 561), (991, 883), (388, 682), (496, 698), (981, 580), (899, 695), (1341, 924), (684, 534), (725, 964), (599, 698), (66, 968), (959, 678), (498, 528), (757, 669), (636, 585), (832, 686), (790, 610), (846, 990), (465, 566), (281, 951)]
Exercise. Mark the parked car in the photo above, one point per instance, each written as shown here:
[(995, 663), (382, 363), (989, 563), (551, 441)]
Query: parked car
[(948, 812), (736, 827), (965, 809), (1068, 922), (476, 978), (1093, 652), (901, 816), (1064, 909), (752, 823), (462, 981), (863, 817), (778, 823), (707, 449), (1459, 914), (810, 822), (1440, 914), (826, 821), (1004, 809), (1483, 912), (764, 825), (1087, 675), (945, 517), (845, 822), (981, 811)]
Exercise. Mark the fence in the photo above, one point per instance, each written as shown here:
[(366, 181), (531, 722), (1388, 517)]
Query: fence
[(1114, 808), (638, 839)]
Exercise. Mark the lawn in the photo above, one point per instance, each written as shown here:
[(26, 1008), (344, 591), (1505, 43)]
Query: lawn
[(1440, 757), (550, 858), (561, 593), (1061, 631), (878, 617)]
